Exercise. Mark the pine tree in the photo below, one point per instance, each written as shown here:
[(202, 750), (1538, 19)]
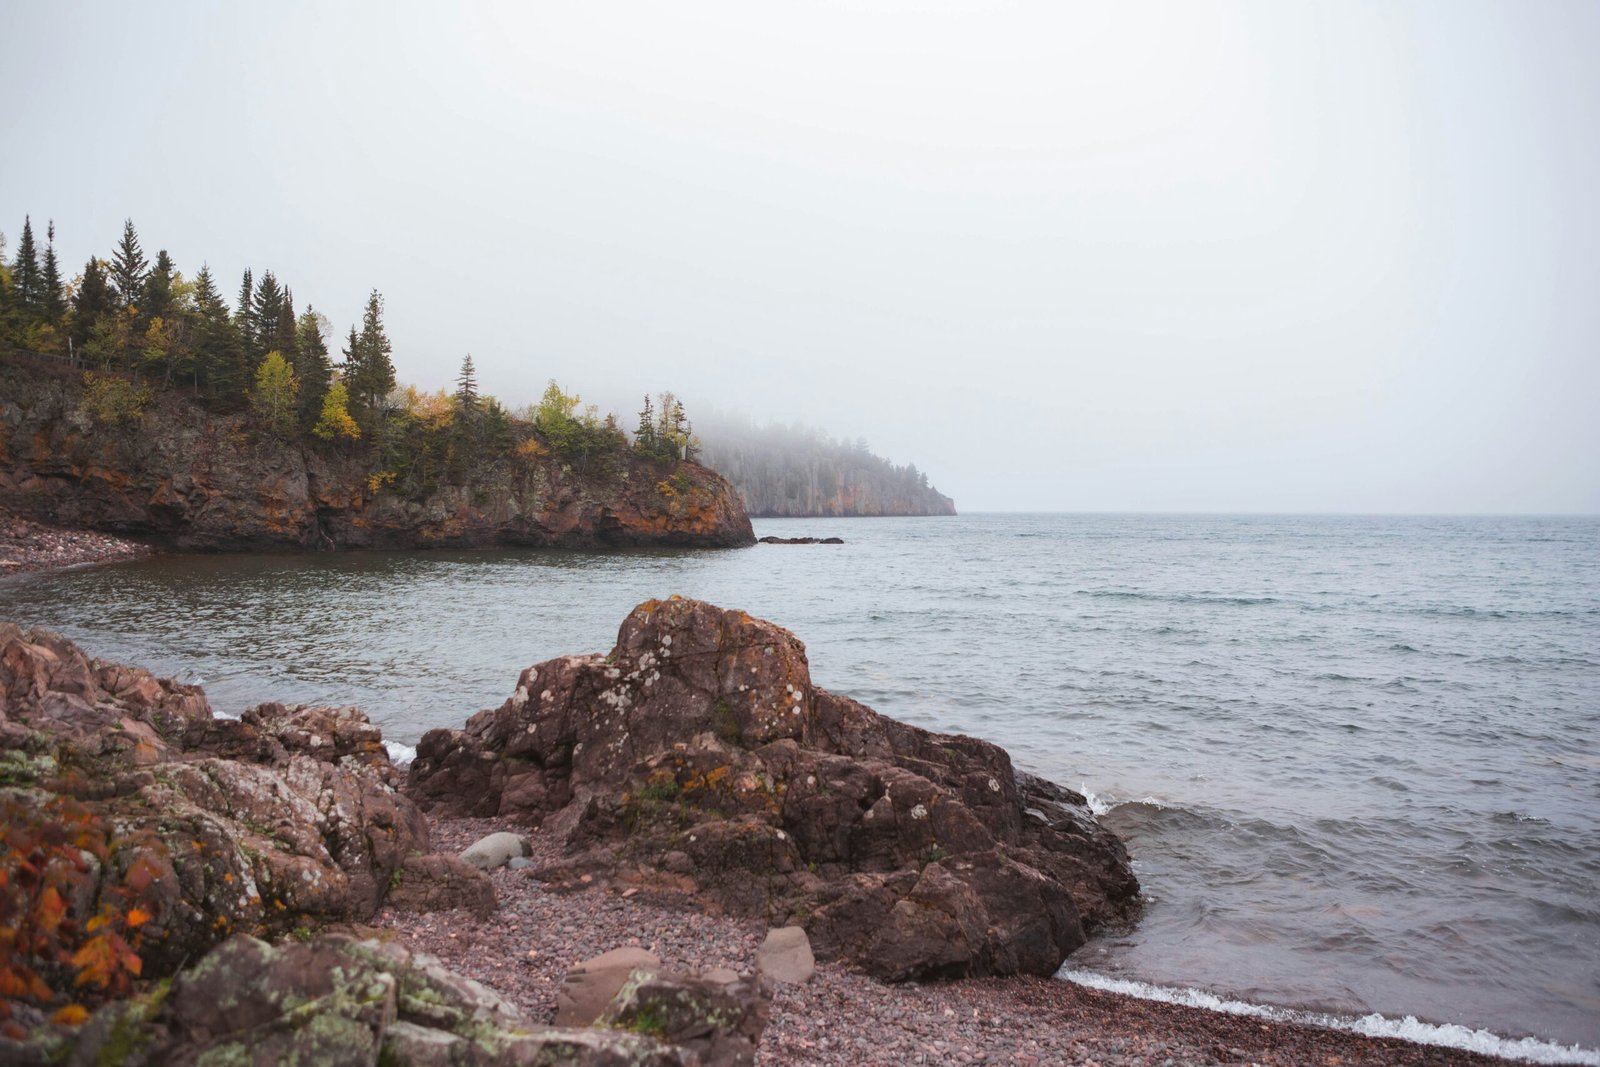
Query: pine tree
[(93, 302), (313, 367), (242, 310), (644, 438), (128, 267), (53, 300), (219, 356), (26, 281), (264, 314), (286, 331), (372, 378), (467, 389), (156, 299)]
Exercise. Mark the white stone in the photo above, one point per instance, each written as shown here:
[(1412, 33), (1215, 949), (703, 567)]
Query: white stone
[(495, 850)]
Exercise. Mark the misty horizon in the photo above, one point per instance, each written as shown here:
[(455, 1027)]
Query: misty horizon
[(1245, 259)]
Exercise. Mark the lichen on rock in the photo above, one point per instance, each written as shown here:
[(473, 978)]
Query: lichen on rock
[(697, 760)]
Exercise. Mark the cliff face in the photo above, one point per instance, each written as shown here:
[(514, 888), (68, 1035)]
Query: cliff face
[(186, 478)]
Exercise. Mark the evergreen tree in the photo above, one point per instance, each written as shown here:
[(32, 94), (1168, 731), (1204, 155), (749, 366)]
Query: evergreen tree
[(264, 315), (93, 302), (53, 300), (242, 311), (313, 368), (644, 438), (156, 299), (218, 355), (373, 376), (286, 330), (467, 390), (128, 267), (27, 284)]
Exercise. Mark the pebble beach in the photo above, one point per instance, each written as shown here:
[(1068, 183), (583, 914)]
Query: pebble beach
[(841, 1018)]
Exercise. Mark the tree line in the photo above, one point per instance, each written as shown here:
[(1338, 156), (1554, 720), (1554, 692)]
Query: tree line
[(794, 471), (137, 326)]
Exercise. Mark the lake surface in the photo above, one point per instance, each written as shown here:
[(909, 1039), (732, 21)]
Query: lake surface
[(1357, 759)]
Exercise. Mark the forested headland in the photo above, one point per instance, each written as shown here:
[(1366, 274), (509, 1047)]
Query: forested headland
[(150, 364), (791, 471)]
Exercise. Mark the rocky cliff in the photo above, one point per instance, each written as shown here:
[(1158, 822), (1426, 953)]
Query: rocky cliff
[(699, 761), (183, 477)]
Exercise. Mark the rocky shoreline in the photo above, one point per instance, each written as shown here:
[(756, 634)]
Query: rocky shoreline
[(175, 884), (27, 546), (842, 1017)]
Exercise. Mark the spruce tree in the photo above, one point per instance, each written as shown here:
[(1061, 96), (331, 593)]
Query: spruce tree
[(242, 310), (156, 299), (93, 302), (373, 377), (467, 389), (644, 438), (264, 314), (26, 280), (312, 367), (128, 267), (287, 329), (220, 367), (53, 300)]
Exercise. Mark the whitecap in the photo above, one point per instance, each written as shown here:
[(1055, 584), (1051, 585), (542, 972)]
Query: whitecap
[(400, 754), (1409, 1028)]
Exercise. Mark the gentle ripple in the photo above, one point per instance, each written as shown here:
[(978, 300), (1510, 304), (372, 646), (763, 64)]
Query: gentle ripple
[(1356, 757)]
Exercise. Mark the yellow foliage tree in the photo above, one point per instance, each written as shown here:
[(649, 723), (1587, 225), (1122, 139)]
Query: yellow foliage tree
[(335, 422), (276, 388)]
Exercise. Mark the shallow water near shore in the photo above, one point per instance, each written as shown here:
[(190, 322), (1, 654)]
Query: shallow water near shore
[(1355, 758)]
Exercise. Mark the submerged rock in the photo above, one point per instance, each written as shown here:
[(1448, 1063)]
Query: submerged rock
[(698, 760)]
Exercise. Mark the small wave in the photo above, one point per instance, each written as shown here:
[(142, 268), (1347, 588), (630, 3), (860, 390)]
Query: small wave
[(1409, 1028), (400, 754)]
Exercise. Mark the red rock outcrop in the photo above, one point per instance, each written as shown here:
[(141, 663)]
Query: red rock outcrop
[(698, 759), (182, 477), (137, 820)]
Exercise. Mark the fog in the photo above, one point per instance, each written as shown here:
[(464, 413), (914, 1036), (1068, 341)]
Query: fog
[(1219, 257)]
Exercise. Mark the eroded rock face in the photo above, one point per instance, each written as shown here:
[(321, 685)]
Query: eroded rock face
[(336, 1000), (180, 476), (698, 759), (188, 828)]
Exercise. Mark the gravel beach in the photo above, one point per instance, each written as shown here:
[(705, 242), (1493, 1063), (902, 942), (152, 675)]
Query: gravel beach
[(525, 948), (27, 546)]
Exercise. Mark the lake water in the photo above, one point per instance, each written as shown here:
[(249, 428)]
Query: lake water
[(1357, 759)]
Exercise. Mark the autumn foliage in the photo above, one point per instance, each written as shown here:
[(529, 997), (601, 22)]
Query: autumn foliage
[(74, 901)]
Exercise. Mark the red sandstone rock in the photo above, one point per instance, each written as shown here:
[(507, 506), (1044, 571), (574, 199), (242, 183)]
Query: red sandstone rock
[(698, 759)]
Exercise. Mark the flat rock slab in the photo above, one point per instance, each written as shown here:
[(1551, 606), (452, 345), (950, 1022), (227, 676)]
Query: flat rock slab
[(785, 956), (496, 850), (590, 986), (800, 540)]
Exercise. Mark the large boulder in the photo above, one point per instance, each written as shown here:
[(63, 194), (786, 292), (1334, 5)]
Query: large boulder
[(697, 759), (141, 830)]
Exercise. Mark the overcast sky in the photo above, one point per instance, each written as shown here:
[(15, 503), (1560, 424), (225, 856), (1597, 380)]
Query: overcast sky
[(1263, 257)]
